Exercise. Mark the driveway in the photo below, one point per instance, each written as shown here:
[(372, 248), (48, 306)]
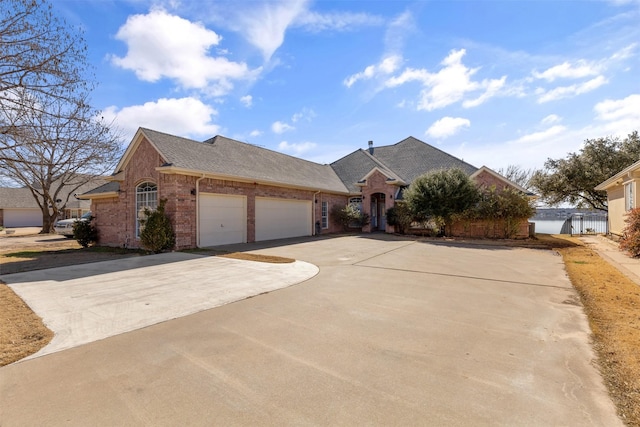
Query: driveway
[(390, 332), (90, 302)]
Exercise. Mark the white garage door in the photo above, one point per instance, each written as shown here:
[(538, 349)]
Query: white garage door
[(223, 219), (22, 218), (282, 218)]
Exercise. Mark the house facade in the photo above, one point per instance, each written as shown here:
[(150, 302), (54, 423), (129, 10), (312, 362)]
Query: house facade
[(222, 191), (622, 196)]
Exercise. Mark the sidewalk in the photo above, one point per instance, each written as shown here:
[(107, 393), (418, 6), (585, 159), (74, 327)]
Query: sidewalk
[(609, 251)]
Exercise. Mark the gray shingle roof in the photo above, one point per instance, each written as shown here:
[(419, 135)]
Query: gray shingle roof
[(225, 156), (17, 198), (407, 159), (104, 188)]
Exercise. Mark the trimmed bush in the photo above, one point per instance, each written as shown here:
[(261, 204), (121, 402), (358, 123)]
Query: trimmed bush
[(157, 233), (85, 232), (349, 217), (630, 241)]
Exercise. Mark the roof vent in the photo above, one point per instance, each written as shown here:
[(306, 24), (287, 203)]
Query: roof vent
[(370, 147)]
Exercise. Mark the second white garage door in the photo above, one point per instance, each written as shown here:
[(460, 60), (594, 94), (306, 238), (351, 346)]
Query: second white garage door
[(223, 219), (282, 218)]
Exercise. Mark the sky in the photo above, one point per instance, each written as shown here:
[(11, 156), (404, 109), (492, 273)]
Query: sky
[(495, 83)]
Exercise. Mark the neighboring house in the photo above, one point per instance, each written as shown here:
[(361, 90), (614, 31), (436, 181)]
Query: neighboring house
[(621, 196), (18, 207), (222, 191)]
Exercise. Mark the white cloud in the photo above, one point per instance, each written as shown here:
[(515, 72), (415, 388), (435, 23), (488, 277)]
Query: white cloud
[(306, 114), (296, 148), (447, 126), (566, 70), (569, 91), (386, 66), (340, 21), (255, 133), (541, 136), (163, 45), (550, 119), (265, 23), (247, 100), (281, 127), (620, 116), (492, 88), (175, 116), (449, 85)]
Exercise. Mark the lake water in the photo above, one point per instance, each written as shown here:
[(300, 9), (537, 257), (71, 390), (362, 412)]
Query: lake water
[(548, 226), (554, 226)]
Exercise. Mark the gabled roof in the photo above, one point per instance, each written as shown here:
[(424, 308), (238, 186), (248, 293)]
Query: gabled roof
[(227, 158), (619, 176), (503, 179), (407, 160)]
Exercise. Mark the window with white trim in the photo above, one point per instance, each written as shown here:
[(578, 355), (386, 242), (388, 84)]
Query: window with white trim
[(628, 196), (146, 197), (325, 215)]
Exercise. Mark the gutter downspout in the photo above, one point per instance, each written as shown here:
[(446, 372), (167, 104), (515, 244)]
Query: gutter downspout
[(313, 213), (198, 210)]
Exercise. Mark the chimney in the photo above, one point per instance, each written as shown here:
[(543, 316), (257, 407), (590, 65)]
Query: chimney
[(370, 147)]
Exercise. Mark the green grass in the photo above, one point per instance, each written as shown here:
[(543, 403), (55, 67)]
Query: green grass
[(24, 254)]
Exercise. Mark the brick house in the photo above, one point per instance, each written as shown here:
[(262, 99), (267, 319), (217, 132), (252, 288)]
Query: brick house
[(223, 191)]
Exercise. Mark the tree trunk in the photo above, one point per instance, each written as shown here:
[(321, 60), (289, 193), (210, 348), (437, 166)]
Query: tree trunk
[(48, 221)]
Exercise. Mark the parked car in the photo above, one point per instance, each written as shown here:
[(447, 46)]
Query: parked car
[(65, 227)]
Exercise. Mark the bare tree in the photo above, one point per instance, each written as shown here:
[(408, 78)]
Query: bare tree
[(39, 55), (51, 140), (517, 174), (63, 147)]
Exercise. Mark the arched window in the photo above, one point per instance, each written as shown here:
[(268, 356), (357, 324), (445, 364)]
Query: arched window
[(146, 197)]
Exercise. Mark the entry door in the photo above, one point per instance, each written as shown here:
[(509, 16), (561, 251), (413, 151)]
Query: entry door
[(374, 213)]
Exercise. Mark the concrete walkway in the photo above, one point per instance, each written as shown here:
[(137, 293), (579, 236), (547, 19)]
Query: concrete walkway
[(609, 251), (90, 302)]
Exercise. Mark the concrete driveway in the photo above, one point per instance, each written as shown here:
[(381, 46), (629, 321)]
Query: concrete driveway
[(390, 332), (89, 302)]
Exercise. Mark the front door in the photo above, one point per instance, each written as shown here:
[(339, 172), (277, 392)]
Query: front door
[(374, 214)]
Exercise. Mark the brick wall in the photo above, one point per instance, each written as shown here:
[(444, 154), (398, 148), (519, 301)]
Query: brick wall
[(489, 229)]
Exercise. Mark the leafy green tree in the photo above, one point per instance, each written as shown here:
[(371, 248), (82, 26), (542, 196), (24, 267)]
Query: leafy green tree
[(572, 179), (157, 233), (441, 195)]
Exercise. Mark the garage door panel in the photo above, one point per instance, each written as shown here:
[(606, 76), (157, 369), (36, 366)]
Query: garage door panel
[(282, 218), (223, 219), (22, 218)]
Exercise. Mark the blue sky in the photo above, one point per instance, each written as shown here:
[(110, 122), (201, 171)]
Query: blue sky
[(495, 83)]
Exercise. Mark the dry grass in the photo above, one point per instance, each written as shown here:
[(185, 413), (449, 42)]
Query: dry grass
[(258, 258), (612, 304), (21, 331)]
